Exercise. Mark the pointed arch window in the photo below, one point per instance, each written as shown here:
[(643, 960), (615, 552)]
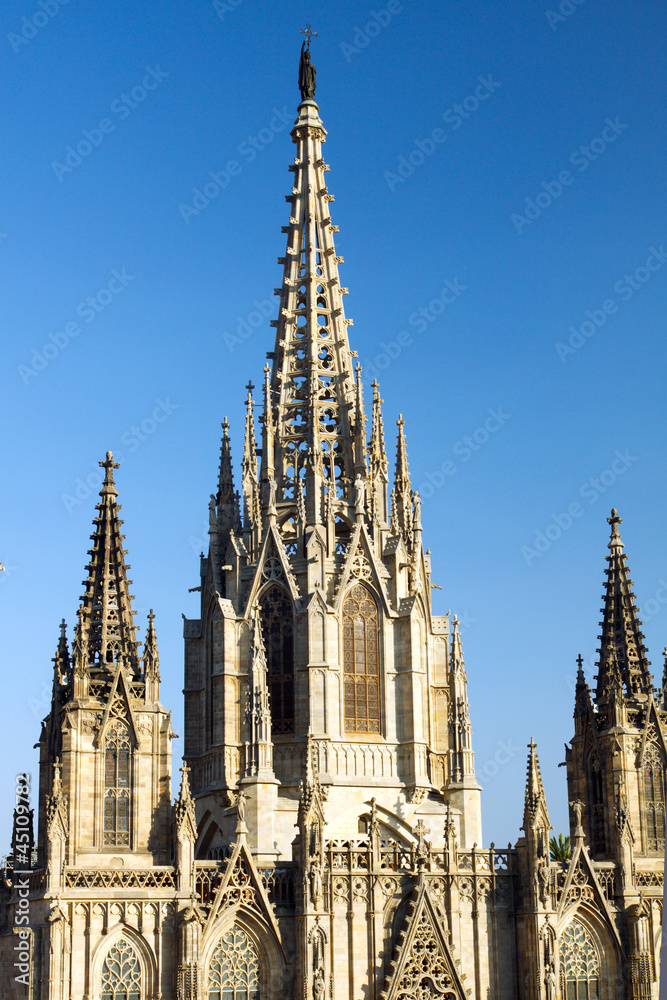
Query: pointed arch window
[(653, 781), (121, 973), (234, 969), (117, 785), (278, 634), (580, 964), (596, 791), (361, 662)]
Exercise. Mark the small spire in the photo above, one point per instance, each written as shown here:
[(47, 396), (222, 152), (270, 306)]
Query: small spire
[(225, 497), (377, 453), (106, 629), (359, 423), (456, 661), (664, 678), (621, 645), (151, 659), (534, 799), (402, 494), (184, 810), (250, 482)]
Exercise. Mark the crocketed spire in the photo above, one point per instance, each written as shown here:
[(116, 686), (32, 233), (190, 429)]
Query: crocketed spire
[(622, 647)]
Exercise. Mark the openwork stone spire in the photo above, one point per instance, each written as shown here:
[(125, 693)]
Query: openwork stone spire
[(622, 647), (106, 629), (401, 498), (311, 421)]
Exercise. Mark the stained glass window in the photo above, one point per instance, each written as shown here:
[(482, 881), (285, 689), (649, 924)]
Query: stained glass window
[(361, 662), (117, 780), (653, 771), (234, 970), (580, 965), (596, 788), (278, 635), (121, 973)]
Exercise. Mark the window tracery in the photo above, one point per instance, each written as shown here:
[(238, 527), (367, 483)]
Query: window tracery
[(234, 969), (121, 973), (653, 780), (580, 964), (117, 785), (278, 635), (361, 662)]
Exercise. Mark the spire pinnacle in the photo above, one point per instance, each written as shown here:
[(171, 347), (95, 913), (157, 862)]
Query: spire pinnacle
[(402, 493), (151, 661), (622, 649), (106, 627), (535, 799)]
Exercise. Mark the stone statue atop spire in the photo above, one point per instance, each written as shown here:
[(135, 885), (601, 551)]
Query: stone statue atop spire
[(307, 72)]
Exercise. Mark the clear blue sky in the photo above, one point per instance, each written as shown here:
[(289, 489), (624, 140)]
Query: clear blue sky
[(534, 199)]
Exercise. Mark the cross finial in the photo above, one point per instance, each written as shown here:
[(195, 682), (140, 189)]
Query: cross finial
[(308, 33), (580, 662), (532, 746), (250, 387)]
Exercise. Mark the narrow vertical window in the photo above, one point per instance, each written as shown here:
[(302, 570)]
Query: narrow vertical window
[(596, 789), (278, 635), (117, 784), (653, 774), (361, 662)]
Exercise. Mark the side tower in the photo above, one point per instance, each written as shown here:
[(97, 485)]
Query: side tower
[(616, 772), (100, 909), (327, 718)]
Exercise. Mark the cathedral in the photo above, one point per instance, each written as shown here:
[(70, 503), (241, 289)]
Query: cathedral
[(326, 840)]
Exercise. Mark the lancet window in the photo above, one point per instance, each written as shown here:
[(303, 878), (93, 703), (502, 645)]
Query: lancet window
[(361, 662), (653, 780), (121, 973), (117, 785), (580, 964), (234, 969), (596, 791), (278, 635)]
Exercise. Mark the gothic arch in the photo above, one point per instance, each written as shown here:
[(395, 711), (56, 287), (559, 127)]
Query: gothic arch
[(277, 617), (210, 834), (143, 952), (362, 674), (271, 959), (605, 947), (117, 781)]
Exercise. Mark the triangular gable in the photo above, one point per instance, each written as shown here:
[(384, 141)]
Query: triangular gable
[(652, 721), (242, 886), (361, 564), (273, 564), (423, 963), (118, 705), (581, 863)]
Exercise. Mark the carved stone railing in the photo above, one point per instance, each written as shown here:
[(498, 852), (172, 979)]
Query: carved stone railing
[(120, 878)]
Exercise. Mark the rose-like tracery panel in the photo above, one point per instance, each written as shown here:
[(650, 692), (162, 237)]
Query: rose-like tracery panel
[(121, 973)]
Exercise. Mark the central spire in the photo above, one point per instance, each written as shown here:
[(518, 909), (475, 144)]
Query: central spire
[(313, 415)]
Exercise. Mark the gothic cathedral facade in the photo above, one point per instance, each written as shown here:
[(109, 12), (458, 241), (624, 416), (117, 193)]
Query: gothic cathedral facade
[(326, 840)]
